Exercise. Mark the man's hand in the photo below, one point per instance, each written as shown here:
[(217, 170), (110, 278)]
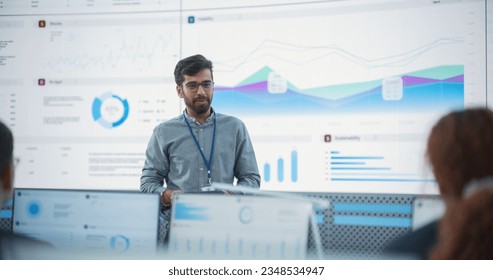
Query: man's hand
[(167, 196)]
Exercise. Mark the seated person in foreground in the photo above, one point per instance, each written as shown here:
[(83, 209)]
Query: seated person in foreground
[(460, 151)]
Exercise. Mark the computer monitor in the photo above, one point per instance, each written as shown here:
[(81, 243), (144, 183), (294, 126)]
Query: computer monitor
[(426, 210), (211, 226), (89, 222)]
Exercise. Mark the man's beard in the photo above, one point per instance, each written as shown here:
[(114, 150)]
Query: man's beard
[(201, 109)]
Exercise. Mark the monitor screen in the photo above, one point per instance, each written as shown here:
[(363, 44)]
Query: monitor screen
[(208, 226), (89, 222)]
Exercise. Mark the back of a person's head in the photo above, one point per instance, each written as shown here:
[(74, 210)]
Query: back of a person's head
[(460, 149), (466, 229), (6, 146)]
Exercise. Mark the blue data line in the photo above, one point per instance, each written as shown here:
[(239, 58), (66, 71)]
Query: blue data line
[(360, 168), (381, 180), (371, 221), (348, 162), (356, 157), (373, 208)]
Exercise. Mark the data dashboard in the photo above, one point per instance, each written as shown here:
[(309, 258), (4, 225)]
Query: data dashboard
[(337, 96)]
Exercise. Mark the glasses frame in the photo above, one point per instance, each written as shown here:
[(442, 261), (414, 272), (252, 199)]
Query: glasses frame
[(194, 86)]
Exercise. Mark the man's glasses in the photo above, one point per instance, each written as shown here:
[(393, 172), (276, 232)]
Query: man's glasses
[(206, 85)]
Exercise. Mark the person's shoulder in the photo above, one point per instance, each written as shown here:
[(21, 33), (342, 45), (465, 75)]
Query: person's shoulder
[(14, 246), (16, 239), (170, 123), (417, 243), (228, 119)]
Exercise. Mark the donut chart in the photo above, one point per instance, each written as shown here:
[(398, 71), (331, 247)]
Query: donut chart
[(110, 110), (119, 243)]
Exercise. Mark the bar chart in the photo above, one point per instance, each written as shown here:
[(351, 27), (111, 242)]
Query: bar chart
[(368, 166), (281, 166)]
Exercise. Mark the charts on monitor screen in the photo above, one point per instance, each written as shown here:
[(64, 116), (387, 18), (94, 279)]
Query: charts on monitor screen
[(338, 96), (341, 96)]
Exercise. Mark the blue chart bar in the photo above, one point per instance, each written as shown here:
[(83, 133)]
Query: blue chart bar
[(384, 180), (5, 213), (372, 221), (294, 166), (348, 162), (184, 211), (360, 168), (373, 208), (358, 157), (280, 170), (267, 172)]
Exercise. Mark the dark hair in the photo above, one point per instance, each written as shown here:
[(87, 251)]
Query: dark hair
[(460, 149), (465, 230), (190, 66), (6, 146)]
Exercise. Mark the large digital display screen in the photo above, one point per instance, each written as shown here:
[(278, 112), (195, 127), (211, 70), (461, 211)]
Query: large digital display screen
[(338, 96)]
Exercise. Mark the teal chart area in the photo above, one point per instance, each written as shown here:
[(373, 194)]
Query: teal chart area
[(266, 93)]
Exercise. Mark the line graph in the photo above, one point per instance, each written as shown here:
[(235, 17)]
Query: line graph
[(312, 53), (143, 52), (310, 49), (95, 48)]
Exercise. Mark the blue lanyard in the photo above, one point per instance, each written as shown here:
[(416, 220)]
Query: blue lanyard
[(208, 163)]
